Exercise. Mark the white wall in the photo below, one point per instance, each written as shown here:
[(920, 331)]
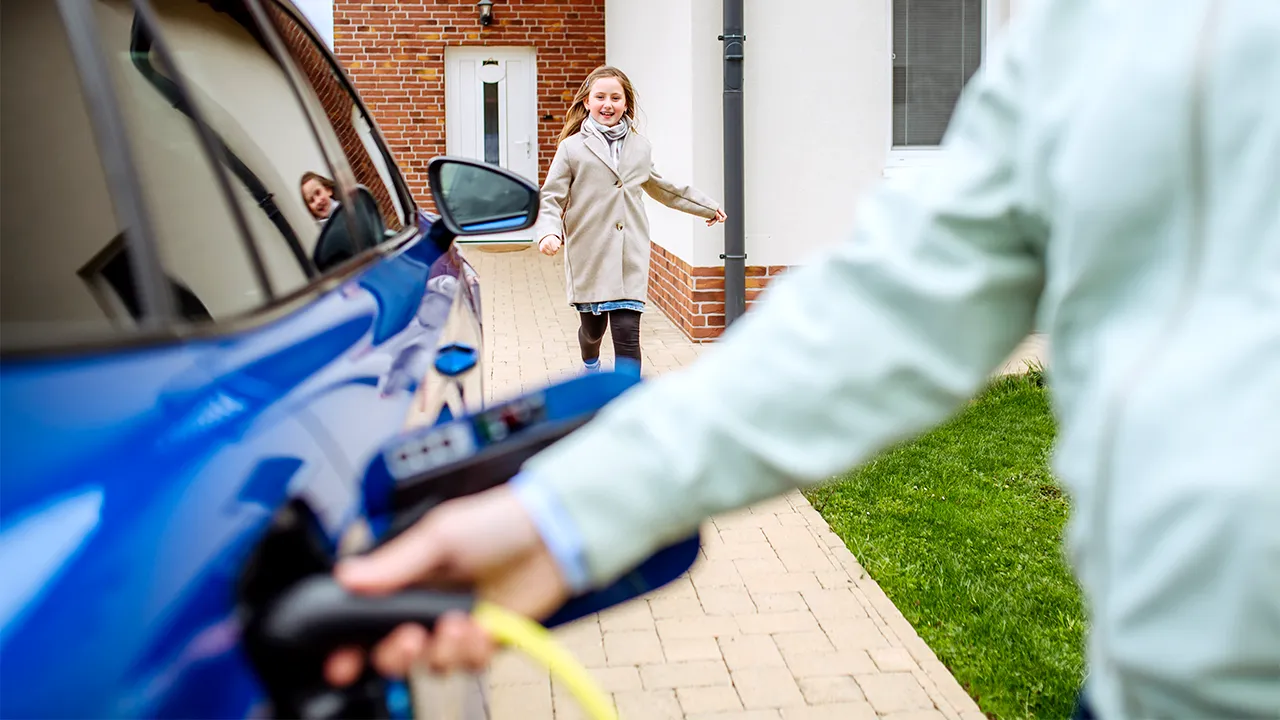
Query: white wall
[(818, 98), (816, 129), (649, 40)]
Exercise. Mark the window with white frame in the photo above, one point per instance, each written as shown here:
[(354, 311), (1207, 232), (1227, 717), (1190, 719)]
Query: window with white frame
[(937, 46)]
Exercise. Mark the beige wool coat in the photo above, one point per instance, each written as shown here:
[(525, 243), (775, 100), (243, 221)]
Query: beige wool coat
[(599, 214)]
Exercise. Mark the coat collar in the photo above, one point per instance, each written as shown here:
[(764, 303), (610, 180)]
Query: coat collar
[(600, 148)]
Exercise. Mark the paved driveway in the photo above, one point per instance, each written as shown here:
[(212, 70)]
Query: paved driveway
[(776, 621)]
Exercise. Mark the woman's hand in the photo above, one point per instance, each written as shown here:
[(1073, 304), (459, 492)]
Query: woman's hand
[(486, 541), (719, 218), (549, 245)]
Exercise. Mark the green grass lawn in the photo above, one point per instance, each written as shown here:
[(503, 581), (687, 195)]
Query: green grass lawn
[(962, 529)]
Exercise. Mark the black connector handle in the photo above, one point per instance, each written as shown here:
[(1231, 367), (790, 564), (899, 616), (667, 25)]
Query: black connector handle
[(318, 615)]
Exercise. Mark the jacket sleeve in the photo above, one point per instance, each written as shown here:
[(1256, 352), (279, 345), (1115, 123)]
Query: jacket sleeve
[(555, 195), (679, 197), (880, 338)]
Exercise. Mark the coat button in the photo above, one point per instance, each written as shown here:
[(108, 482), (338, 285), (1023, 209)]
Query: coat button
[(619, 226)]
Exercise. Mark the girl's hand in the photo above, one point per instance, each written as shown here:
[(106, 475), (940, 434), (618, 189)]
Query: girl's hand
[(549, 245), (720, 217)]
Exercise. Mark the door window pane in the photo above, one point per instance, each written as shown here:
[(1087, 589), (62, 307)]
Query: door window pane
[(350, 127), (492, 141), (937, 46), (200, 245), (61, 244)]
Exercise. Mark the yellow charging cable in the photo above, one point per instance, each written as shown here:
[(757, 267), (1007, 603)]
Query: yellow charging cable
[(532, 639)]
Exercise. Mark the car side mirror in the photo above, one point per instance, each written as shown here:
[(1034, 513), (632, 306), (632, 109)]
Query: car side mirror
[(476, 198)]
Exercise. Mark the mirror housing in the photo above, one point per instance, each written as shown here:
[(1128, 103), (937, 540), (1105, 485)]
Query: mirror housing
[(476, 198)]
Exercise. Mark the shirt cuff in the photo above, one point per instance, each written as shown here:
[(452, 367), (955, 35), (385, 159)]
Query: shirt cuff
[(558, 530)]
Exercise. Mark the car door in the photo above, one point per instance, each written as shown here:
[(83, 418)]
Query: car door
[(177, 364)]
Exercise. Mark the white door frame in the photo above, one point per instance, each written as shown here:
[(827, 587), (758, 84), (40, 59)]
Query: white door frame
[(464, 107)]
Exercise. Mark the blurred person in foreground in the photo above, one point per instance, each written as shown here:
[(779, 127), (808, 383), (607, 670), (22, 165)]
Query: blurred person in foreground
[(1112, 176)]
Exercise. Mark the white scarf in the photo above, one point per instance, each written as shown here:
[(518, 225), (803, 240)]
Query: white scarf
[(613, 136)]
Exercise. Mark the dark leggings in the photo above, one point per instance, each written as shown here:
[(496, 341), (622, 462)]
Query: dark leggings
[(625, 327)]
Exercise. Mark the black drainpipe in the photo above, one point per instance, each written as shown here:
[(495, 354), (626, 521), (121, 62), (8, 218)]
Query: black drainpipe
[(735, 254)]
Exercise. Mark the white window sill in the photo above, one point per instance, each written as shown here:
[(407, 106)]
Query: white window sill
[(901, 163)]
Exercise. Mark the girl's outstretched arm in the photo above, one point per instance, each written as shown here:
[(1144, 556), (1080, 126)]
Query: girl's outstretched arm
[(555, 197), (684, 198)]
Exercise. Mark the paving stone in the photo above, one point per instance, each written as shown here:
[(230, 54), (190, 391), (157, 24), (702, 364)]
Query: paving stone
[(676, 628), (793, 520), (617, 679), (632, 647), (681, 587), (855, 634), (696, 673), (892, 692), (767, 714), (847, 662), (767, 688), (684, 649), (630, 616), (893, 659), (951, 690), (708, 700), (770, 623), (790, 536), (805, 558), (647, 704), (714, 574), (772, 506), (675, 607), (727, 601), (803, 642), (743, 536), (750, 651), (778, 601), (840, 711), (760, 564), (509, 667), (782, 582), (838, 604), (520, 701), (834, 579), (915, 715), (831, 690)]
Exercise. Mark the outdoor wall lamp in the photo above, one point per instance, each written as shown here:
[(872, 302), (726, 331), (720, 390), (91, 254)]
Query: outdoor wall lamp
[(486, 12)]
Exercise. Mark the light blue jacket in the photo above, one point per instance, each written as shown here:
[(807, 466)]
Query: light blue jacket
[(1112, 177)]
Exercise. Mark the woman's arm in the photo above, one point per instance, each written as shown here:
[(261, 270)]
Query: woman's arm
[(555, 196), (684, 198)]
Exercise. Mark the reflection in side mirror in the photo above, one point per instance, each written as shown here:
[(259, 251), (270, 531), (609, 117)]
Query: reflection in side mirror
[(476, 198)]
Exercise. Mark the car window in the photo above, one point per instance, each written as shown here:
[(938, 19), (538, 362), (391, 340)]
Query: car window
[(278, 171), (353, 129), (64, 268)]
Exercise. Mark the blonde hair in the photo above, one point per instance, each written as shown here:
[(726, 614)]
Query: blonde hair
[(577, 113)]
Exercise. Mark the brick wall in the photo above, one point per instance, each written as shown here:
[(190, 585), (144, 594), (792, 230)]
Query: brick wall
[(394, 53), (693, 297)]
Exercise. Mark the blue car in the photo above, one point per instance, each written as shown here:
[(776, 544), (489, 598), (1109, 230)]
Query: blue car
[(218, 302)]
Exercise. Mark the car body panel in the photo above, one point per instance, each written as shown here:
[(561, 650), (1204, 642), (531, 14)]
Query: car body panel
[(147, 476)]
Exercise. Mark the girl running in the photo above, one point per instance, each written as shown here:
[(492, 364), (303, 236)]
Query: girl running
[(591, 204)]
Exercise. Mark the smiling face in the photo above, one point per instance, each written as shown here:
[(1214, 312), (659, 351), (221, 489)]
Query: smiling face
[(607, 102), (319, 198)]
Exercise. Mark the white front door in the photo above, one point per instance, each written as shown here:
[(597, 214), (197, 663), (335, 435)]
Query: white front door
[(491, 113)]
